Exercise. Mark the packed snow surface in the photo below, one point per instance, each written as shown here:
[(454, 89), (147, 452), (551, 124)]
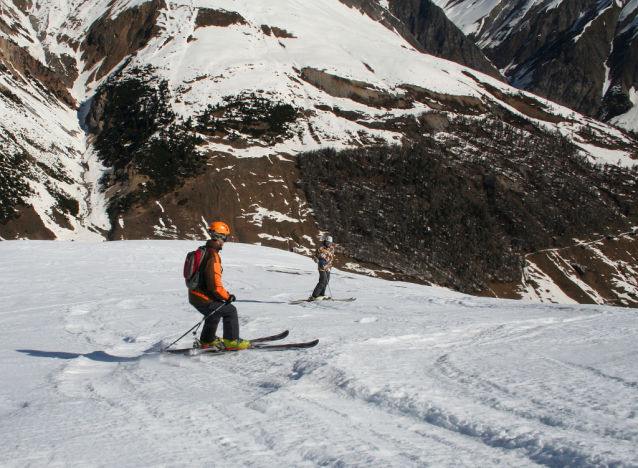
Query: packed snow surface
[(405, 376)]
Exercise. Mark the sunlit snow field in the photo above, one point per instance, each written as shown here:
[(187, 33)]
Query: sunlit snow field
[(405, 376)]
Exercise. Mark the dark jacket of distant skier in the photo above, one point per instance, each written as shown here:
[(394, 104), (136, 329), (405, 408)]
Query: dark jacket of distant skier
[(323, 256)]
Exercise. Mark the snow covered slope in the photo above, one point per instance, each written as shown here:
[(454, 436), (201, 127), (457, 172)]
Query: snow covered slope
[(42, 144), (405, 376), (319, 58)]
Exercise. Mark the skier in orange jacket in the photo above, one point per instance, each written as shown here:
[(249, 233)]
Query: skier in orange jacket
[(211, 295)]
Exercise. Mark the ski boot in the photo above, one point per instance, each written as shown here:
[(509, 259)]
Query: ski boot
[(234, 345), (216, 344)]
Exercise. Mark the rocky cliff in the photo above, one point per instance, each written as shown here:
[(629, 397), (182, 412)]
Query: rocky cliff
[(579, 53)]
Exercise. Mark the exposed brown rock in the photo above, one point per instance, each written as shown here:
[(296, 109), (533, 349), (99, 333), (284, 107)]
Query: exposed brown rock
[(245, 193), (64, 66), (23, 5), (529, 106), (282, 33), (360, 91), (439, 101), (28, 67), (220, 18), (623, 72), (28, 225), (113, 39)]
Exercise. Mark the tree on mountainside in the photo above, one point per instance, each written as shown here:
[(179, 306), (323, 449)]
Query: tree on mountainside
[(461, 215), (14, 189)]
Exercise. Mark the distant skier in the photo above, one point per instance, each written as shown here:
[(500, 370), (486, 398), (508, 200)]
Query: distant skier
[(323, 256), (211, 294)]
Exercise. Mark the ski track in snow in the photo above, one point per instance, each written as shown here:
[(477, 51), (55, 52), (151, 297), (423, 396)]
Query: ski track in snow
[(405, 376)]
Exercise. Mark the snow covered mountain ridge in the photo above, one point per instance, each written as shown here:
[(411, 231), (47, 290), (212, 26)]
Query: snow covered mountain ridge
[(580, 53), (149, 119)]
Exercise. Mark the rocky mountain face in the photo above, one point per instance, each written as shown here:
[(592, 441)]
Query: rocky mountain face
[(151, 119), (582, 54), (483, 218), (41, 139)]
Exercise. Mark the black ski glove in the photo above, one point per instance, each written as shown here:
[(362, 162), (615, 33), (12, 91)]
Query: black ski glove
[(230, 299)]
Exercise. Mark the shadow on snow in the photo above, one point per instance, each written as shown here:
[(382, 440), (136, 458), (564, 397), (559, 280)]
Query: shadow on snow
[(100, 356)]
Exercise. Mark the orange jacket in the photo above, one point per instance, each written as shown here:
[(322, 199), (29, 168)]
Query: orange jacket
[(212, 290)]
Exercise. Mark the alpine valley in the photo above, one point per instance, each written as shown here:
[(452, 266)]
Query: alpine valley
[(481, 145)]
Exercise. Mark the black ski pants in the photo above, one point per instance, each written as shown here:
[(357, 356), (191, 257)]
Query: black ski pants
[(324, 279), (227, 312)]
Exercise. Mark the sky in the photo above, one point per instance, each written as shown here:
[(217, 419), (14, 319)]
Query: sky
[(405, 376)]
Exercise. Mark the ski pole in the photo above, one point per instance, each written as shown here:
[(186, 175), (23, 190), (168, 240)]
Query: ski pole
[(194, 328)]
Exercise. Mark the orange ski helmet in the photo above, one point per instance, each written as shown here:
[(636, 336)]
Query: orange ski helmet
[(219, 229)]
